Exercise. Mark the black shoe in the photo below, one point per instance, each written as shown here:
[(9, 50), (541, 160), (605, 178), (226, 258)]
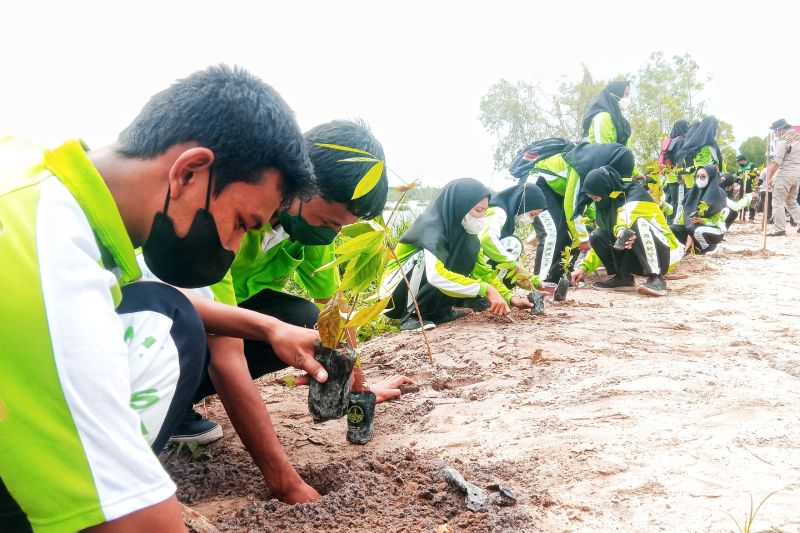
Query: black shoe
[(412, 324), (195, 428), (448, 315), (777, 234), (616, 283), (477, 304), (654, 286)]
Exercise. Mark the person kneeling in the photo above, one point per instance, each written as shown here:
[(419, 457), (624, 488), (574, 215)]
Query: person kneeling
[(632, 237), (441, 258)]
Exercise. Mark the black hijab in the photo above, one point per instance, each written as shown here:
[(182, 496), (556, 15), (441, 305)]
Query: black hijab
[(603, 182), (516, 200), (438, 229), (712, 194), (676, 138), (679, 129), (703, 134), (608, 101), (586, 157)]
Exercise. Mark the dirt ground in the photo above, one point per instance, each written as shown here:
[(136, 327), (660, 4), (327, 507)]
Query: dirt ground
[(613, 411)]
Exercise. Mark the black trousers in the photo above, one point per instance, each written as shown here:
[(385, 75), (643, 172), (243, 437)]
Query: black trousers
[(188, 334), (671, 194), (732, 216), (706, 238), (432, 302), (555, 206), (649, 255), (261, 358)]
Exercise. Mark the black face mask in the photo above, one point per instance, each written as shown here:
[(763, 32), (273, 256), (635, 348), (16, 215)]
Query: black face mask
[(197, 259)]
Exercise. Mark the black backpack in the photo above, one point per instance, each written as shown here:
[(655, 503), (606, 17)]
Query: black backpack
[(523, 163)]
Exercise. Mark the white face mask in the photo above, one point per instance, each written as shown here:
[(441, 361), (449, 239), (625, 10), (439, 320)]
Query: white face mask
[(701, 182), (471, 224), (523, 220), (624, 102)]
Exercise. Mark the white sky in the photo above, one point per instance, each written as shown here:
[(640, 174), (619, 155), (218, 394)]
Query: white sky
[(414, 70)]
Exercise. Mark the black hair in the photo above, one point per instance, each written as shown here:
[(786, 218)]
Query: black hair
[(244, 121), (336, 180)]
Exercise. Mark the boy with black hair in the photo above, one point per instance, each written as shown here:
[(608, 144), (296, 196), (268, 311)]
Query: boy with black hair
[(293, 245), (95, 370)]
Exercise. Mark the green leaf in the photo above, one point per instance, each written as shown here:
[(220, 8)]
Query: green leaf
[(354, 230), (368, 314), (365, 240), (614, 194), (370, 179), (358, 160), (360, 273), (344, 149), (354, 247)]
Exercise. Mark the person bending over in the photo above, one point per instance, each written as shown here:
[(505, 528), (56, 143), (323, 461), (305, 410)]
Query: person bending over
[(441, 257), (628, 216)]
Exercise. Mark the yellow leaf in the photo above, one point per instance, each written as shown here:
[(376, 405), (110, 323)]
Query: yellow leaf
[(329, 323), (407, 186), (344, 149), (358, 160), (370, 179), (366, 315)]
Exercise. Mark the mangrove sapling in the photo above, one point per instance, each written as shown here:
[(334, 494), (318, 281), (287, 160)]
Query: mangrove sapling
[(363, 255), (563, 282)]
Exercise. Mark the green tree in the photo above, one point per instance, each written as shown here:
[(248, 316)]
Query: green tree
[(522, 112), (754, 149), (725, 140), (665, 92)]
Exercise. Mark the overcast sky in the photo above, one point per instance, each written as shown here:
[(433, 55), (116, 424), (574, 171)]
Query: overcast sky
[(415, 71)]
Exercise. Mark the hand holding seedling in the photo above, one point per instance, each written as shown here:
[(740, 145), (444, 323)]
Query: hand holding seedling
[(585, 246), (696, 220), (521, 303), (295, 347), (498, 305)]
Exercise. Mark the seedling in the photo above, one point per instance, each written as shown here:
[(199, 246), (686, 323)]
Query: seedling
[(747, 524), (363, 254), (563, 282)]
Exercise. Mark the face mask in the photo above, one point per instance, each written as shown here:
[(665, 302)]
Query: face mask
[(523, 220), (624, 102), (197, 259), (301, 231), (701, 182), (471, 224)]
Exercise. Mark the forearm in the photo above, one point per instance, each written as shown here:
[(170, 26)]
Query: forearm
[(773, 168), (248, 414), (232, 321)]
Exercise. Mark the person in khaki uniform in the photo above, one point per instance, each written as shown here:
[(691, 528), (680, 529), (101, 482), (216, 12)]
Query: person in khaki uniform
[(785, 168)]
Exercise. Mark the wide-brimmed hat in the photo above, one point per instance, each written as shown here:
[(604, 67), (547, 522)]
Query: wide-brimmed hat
[(780, 124)]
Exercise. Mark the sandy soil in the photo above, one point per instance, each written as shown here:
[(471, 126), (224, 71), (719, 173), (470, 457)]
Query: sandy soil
[(612, 411)]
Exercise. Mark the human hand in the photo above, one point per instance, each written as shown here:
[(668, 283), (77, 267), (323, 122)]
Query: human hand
[(629, 242), (521, 303), (295, 346), (297, 492), (389, 388), (585, 246), (577, 276), (696, 220), (498, 305)]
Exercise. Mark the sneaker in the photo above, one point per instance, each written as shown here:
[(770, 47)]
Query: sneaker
[(616, 283), (195, 428), (654, 286), (448, 315), (777, 234), (412, 324), (477, 304)]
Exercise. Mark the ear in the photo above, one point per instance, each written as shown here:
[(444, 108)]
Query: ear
[(191, 167)]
